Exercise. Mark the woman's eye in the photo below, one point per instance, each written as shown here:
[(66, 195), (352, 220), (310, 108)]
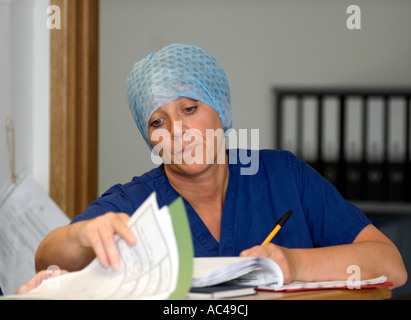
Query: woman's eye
[(156, 123), (190, 109)]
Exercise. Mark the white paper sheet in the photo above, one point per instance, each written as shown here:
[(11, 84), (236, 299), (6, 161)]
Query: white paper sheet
[(248, 271), (149, 269), (27, 215)]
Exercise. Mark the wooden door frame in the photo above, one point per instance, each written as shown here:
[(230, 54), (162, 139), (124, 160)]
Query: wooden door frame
[(74, 105)]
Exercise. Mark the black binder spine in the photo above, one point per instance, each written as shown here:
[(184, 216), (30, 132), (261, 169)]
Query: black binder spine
[(376, 174)]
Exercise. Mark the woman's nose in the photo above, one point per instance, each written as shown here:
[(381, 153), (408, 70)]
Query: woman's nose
[(176, 129)]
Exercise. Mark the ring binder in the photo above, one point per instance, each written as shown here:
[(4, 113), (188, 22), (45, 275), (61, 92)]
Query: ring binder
[(373, 140)]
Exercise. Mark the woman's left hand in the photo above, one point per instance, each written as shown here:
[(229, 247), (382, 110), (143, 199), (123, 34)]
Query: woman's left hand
[(36, 280), (282, 256)]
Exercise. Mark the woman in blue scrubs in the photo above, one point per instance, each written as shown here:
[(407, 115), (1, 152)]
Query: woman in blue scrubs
[(178, 96)]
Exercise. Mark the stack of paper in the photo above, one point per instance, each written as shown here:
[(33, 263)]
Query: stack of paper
[(237, 270), (264, 274), (300, 285)]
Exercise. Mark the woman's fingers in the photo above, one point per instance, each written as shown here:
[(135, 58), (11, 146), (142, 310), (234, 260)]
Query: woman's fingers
[(99, 235), (123, 230)]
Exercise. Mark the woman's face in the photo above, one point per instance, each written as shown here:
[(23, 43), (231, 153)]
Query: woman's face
[(188, 135)]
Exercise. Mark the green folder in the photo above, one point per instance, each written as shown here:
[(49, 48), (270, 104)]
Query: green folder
[(185, 249)]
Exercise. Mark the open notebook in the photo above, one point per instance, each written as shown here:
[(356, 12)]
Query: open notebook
[(264, 274)]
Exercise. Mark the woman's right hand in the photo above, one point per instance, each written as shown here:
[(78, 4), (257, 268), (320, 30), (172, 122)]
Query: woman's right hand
[(98, 234)]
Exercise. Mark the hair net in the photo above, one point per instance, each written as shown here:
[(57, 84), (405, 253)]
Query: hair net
[(173, 72)]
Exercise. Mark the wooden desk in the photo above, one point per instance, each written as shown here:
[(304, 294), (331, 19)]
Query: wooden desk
[(334, 294)]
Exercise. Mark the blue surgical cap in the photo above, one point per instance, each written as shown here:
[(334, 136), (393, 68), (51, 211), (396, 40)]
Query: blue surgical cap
[(174, 72)]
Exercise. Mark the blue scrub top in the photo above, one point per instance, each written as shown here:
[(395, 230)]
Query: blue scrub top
[(253, 204)]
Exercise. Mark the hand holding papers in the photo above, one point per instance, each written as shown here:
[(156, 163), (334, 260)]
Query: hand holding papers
[(158, 266)]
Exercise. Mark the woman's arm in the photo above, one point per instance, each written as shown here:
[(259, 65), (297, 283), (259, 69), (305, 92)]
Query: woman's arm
[(73, 247), (371, 251)]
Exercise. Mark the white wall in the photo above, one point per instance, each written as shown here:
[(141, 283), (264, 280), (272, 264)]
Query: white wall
[(24, 88), (41, 94), (16, 92), (5, 101), (260, 44)]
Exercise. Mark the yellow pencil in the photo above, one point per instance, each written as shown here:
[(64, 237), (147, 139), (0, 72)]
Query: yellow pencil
[(277, 227)]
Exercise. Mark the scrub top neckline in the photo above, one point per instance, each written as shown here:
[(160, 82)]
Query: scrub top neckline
[(200, 231)]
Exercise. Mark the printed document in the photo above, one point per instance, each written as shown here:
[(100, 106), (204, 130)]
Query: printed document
[(27, 215), (149, 269)]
